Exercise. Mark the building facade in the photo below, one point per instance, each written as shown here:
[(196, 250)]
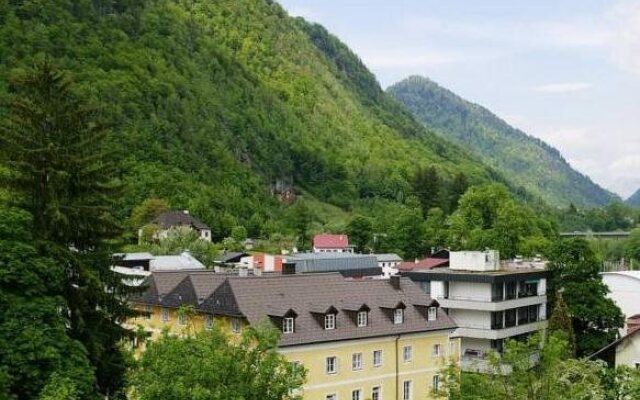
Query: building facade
[(490, 301), (175, 219), (358, 339)]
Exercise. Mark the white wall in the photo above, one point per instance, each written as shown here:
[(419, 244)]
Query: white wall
[(470, 291), (542, 287), (474, 260), (437, 289), (628, 351), (625, 291), (483, 345), (471, 318)]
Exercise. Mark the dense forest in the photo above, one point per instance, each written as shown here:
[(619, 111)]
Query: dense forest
[(214, 106), (524, 160)]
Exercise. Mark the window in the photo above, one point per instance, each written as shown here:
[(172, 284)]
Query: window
[(398, 316), (287, 325), (407, 353), (165, 314), (147, 312), (436, 383), (331, 397), (432, 313), (637, 365), (208, 322), (437, 350), (332, 365), (235, 325), (330, 321), (406, 390), (182, 318), (377, 358), (356, 361), (362, 318), (375, 393), (356, 394)]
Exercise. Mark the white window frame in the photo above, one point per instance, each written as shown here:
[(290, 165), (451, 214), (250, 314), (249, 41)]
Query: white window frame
[(148, 312), (437, 350), (407, 390), (379, 363), (235, 325), (407, 354), (376, 393), (363, 319), (356, 394), (398, 316), (288, 325), (165, 316), (333, 363), (356, 362), (208, 322), (329, 322), (435, 382), (432, 314)]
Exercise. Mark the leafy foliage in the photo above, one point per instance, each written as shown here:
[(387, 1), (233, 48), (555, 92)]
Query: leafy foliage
[(206, 366), (526, 161), (575, 270)]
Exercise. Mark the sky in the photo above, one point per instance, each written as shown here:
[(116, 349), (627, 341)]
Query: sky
[(565, 71)]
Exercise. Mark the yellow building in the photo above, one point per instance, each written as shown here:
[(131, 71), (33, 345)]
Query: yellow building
[(358, 339)]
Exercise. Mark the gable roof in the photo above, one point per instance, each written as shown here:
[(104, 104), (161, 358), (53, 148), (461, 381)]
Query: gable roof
[(174, 218), (426, 263), (388, 257), (326, 241), (231, 257), (614, 344)]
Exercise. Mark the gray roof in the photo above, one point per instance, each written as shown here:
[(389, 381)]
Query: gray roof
[(307, 297), (334, 262), (388, 257), (175, 218), (175, 262)]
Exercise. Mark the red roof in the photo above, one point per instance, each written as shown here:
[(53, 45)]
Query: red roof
[(426, 263), (324, 241)]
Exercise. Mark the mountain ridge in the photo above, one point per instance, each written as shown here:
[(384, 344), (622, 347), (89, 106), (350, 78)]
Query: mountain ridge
[(634, 199), (545, 172)]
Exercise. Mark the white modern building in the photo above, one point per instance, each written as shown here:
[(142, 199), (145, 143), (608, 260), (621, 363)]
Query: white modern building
[(624, 289), (490, 301), (388, 262)]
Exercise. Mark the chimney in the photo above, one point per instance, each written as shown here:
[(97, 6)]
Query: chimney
[(395, 281)]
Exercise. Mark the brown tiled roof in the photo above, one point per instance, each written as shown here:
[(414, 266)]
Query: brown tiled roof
[(175, 218), (307, 296), (256, 298)]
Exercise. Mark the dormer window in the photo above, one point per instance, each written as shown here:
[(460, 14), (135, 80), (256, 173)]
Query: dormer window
[(398, 316), (330, 321), (288, 325), (363, 318), (432, 314)]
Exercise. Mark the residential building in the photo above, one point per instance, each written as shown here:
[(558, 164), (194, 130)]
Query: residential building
[(388, 263), (135, 267), (263, 262), (178, 218), (624, 287), (490, 301), (358, 339), (325, 243), (625, 350), (348, 264)]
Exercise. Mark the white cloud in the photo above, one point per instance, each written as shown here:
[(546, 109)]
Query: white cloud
[(625, 18), (561, 87)]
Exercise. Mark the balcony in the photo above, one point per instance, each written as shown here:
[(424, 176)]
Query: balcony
[(474, 303), (485, 332)]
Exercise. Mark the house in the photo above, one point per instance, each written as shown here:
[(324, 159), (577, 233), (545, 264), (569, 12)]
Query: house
[(135, 267), (178, 218), (490, 301), (624, 287), (347, 264), (231, 258), (325, 243), (263, 262), (626, 350), (388, 263), (375, 339)]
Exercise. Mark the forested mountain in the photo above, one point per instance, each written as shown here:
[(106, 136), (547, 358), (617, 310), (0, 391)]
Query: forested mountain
[(524, 160), (634, 200), (212, 103)]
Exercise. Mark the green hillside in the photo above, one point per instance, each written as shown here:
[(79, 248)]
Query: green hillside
[(212, 103), (524, 160), (634, 200)]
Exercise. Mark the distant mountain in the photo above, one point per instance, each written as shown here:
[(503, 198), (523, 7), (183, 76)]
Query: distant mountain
[(634, 200), (523, 159)]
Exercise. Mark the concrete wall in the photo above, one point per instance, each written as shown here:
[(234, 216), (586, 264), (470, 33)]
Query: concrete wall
[(474, 260), (470, 290), (471, 318), (624, 291), (628, 352)]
